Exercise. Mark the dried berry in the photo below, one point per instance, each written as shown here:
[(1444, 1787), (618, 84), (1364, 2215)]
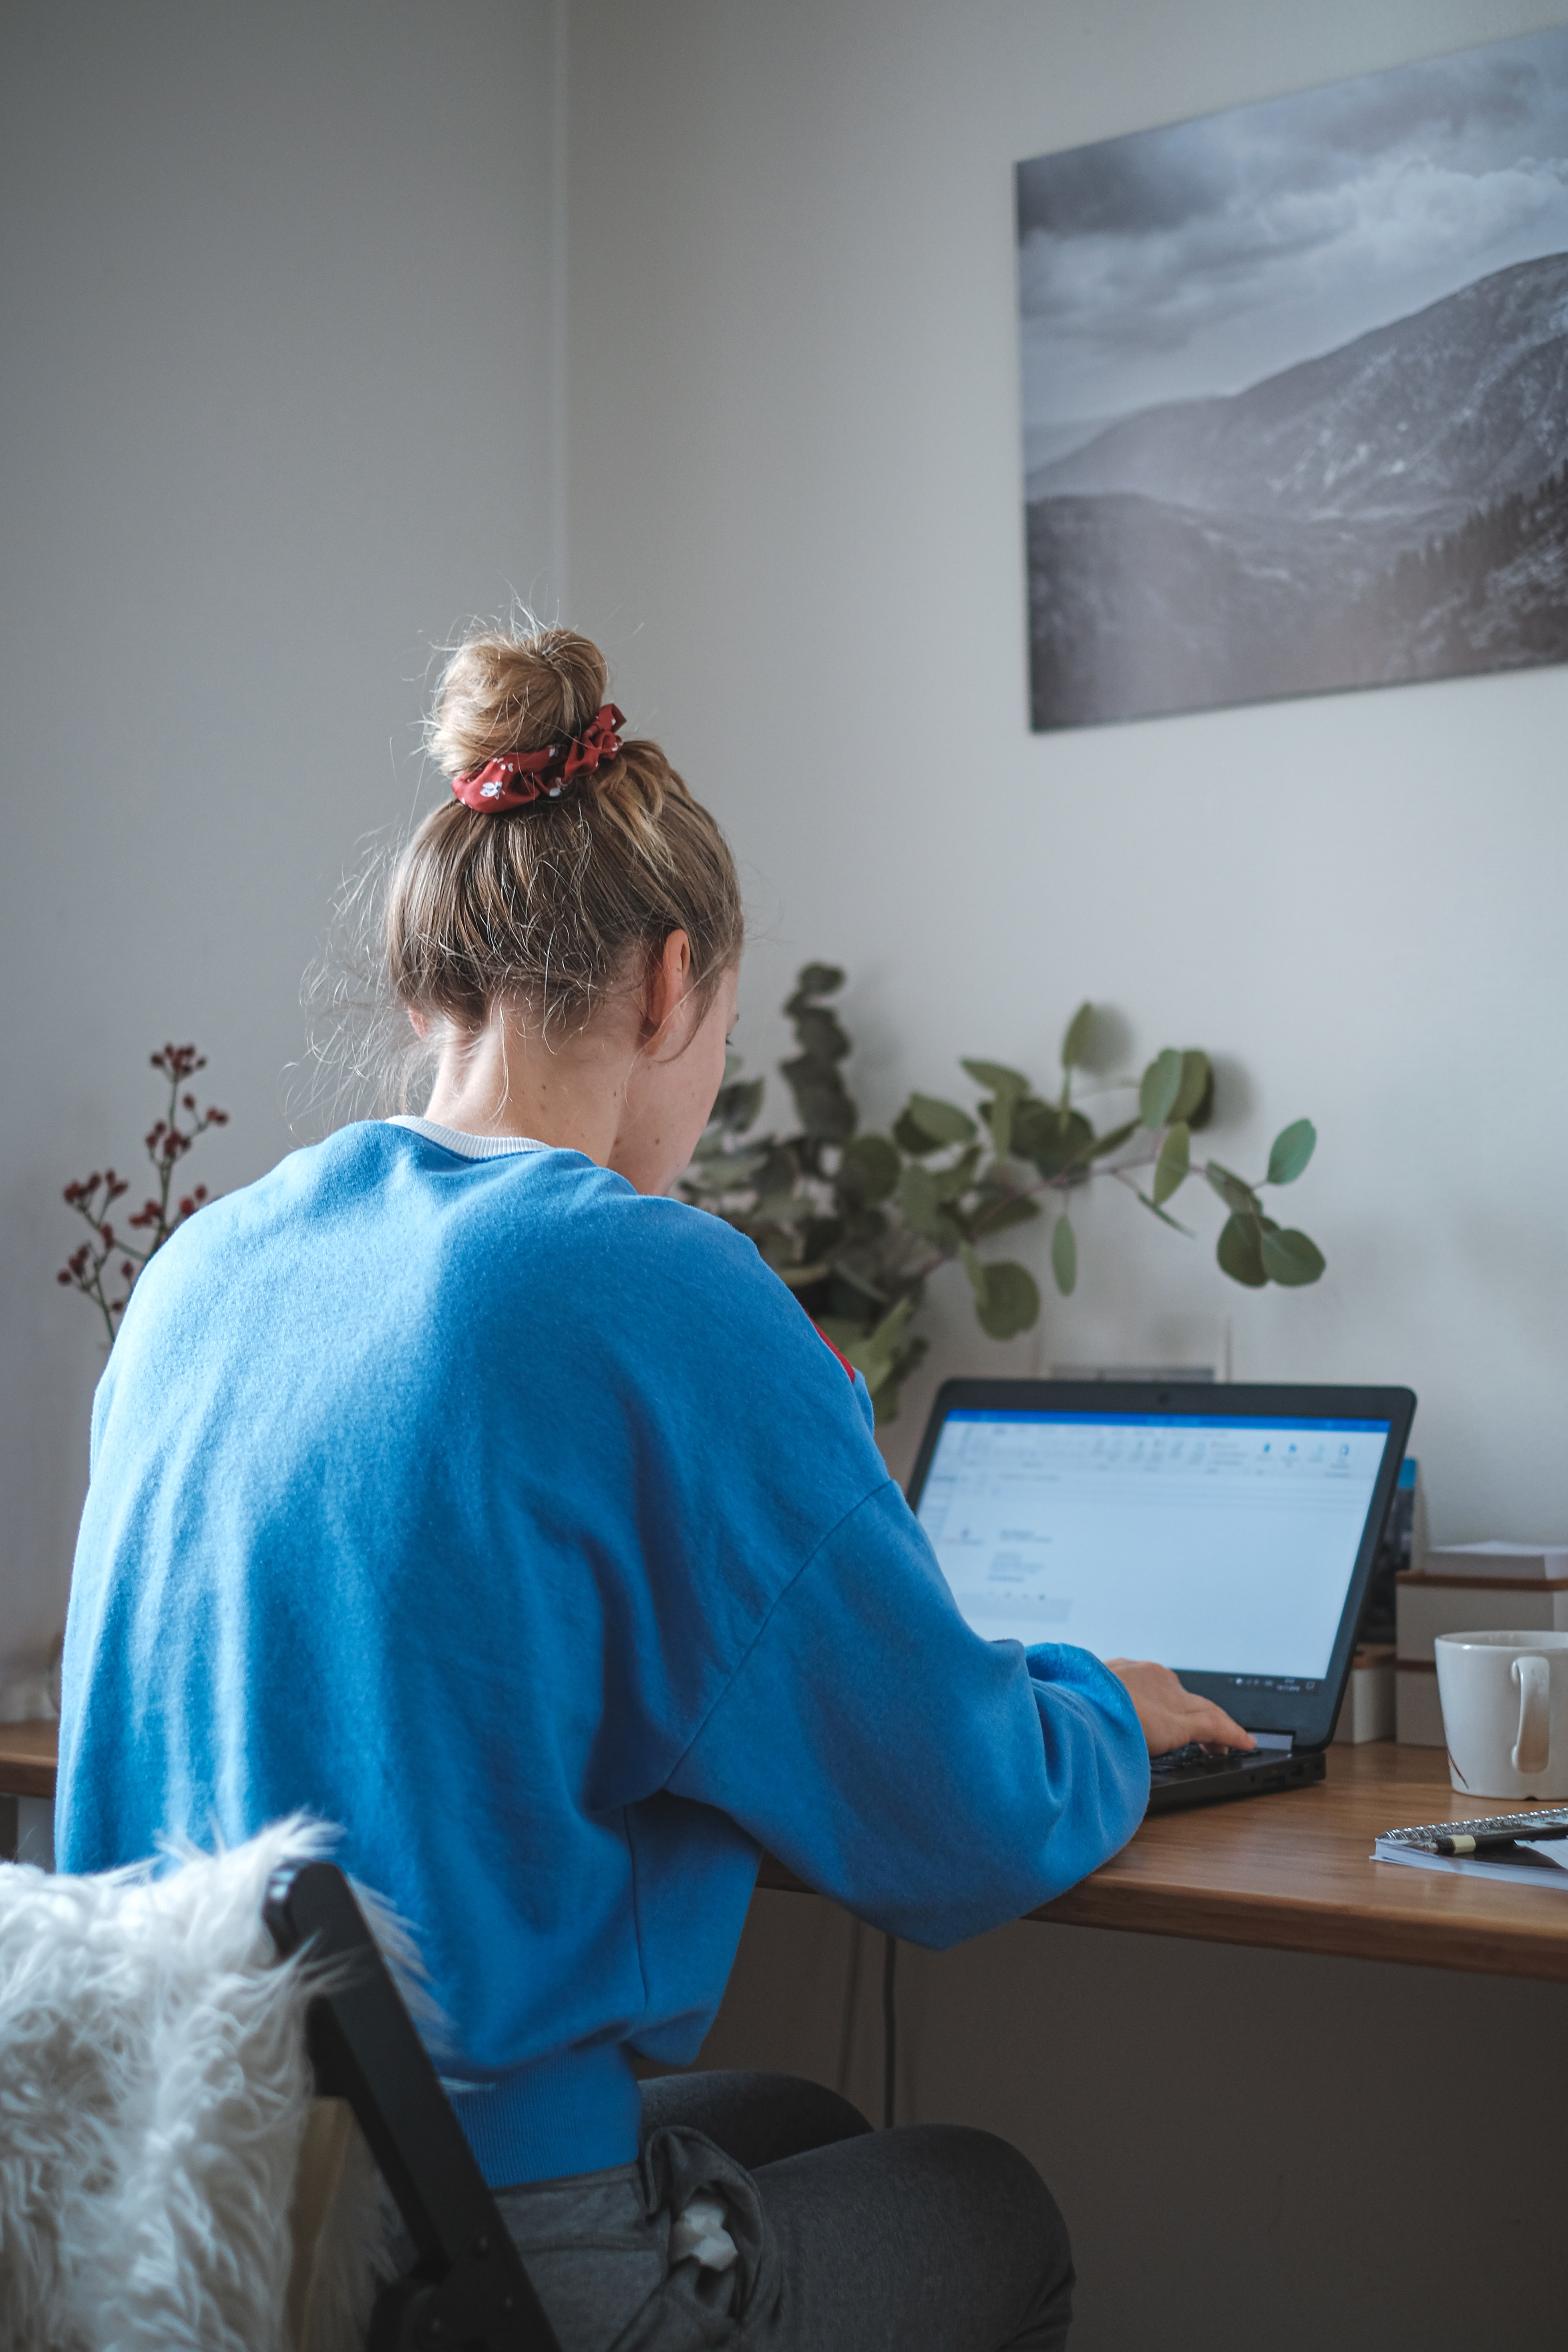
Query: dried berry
[(165, 1143)]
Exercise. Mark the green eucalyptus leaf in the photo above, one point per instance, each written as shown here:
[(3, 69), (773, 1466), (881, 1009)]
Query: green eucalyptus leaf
[(1037, 1128), (1082, 1140), (816, 979), (1114, 1138), (1071, 1147), (1294, 1148), (1198, 1082), (1171, 1166), (857, 1286), (951, 1183), (876, 1356), (918, 1195), (738, 1103), (1075, 1045), (784, 1209), (718, 1170), (1063, 1257), (1237, 1196), (1010, 1302), (822, 1035), (912, 1138), (1291, 1259), (1011, 1209), (1164, 1216), (1240, 1251), (997, 1078), (869, 1169), (1008, 1088), (846, 1331), (779, 1172), (944, 1120), (820, 1236), (911, 1352), (1162, 1083), (822, 1102), (922, 1204), (1009, 1173)]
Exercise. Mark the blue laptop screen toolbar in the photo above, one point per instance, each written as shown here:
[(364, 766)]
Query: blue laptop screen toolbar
[(1223, 1546)]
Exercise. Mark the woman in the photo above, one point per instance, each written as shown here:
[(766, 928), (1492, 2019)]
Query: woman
[(455, 1483)]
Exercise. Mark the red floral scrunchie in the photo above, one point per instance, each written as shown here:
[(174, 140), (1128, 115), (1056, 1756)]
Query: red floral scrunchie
[(524, 776)]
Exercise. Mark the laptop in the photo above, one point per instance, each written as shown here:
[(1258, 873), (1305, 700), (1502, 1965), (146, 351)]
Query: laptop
[(1224, 1529)]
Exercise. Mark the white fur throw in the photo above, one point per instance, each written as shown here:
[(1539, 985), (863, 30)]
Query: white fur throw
[(153, 2093)]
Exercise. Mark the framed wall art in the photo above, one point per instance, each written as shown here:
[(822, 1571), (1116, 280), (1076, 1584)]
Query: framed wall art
[(1296, 393)]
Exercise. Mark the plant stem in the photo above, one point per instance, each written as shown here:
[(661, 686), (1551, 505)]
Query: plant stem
[(1062, 1182)]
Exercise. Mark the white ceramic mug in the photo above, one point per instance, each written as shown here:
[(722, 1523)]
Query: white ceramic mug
[(1505, 1713)]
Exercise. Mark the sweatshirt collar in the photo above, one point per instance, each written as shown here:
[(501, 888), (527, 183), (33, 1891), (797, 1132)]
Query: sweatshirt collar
[(467, 1147)]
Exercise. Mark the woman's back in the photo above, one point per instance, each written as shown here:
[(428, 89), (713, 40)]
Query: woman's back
[(425, 1496)]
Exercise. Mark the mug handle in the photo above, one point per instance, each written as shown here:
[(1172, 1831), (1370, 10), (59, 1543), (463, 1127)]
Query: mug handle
[(1532, 1749)]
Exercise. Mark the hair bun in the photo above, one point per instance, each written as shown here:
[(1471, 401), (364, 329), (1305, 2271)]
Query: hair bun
[(501, 693)]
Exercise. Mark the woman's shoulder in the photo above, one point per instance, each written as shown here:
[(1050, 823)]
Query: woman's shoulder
[(593, 1237), (659, 1240), (537, 1198), (521, 1225)]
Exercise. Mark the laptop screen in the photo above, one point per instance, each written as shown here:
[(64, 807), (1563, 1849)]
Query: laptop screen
[(1223, 1546)]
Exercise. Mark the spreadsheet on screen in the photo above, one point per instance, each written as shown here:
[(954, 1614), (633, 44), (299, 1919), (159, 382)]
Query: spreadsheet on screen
[(1223, 1546)]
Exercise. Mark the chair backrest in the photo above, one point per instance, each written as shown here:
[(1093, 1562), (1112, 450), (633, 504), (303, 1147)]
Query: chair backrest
[(469, 2287)]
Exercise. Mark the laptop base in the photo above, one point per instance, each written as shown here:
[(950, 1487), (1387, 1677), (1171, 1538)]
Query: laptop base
[(1213, 1779)]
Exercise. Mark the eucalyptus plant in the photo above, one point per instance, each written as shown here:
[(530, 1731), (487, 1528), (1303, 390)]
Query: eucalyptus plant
[(858, 1224)]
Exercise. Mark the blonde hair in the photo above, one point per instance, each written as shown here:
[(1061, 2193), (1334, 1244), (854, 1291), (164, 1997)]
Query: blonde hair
[(552, 906)]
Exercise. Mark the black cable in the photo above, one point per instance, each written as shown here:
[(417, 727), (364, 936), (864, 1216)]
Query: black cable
[(889, 2029)]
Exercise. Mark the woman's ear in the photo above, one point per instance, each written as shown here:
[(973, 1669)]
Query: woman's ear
[(418, 1022), (669, 980)]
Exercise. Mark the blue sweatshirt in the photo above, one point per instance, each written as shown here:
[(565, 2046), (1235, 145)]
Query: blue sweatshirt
[(525, 1528)]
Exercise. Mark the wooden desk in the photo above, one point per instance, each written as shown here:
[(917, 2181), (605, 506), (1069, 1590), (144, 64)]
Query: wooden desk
[(1293, 1872), (1290, 1871), (28, 1754)]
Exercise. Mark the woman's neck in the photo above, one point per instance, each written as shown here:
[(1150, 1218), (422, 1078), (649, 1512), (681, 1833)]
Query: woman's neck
[(632, 1088), (506, 1080)]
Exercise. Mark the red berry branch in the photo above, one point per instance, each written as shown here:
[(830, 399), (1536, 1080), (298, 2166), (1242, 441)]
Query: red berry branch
[(108, 1256)]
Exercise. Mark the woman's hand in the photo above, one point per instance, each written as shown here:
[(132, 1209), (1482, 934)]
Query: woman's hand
[(1170, 1716)]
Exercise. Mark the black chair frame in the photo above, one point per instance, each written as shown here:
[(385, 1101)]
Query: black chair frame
[(468, 2291)]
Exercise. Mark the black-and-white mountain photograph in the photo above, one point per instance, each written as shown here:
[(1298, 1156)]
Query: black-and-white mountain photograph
[(1296, 393)]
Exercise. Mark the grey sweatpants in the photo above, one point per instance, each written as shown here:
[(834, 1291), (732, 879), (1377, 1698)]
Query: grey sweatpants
[(929, 2239)]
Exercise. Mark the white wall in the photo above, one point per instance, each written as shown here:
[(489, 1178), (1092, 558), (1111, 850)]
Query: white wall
[(795, 519), (278, 378), (283, 396)]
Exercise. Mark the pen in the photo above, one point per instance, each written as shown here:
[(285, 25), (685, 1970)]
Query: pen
[(1489, 1841)]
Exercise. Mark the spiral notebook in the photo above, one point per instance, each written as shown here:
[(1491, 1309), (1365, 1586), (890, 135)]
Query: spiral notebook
[(1522, 1865)]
